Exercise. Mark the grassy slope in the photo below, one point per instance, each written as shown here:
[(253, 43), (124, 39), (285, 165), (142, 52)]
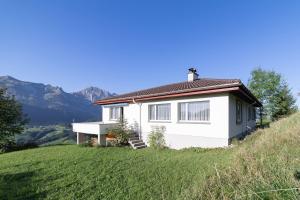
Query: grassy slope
[(72, 172), (267, 160), (266, 166)]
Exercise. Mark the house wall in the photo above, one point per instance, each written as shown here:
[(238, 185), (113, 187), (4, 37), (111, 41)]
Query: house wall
[(236, 130), (214, 133), (105, 114)]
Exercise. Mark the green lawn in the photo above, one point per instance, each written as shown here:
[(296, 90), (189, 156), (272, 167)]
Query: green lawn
[(73, 172), (264, 166)]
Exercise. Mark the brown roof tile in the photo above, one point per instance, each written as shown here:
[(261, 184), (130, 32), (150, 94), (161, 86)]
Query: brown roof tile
[(199, 84)]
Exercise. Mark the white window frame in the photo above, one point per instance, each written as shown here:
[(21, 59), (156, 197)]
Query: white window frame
[(186, 112), (110, 113), (155, 113)]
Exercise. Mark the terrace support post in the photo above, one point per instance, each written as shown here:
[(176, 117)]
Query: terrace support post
[(80, 138), (101, 139)]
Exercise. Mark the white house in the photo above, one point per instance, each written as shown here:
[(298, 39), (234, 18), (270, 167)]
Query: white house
[(199, 112)]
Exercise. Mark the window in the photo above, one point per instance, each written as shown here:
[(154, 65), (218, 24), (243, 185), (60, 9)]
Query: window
[(194, 111), (239, 112), (253, 113), (250, 116), (160, 112), (114, 113)]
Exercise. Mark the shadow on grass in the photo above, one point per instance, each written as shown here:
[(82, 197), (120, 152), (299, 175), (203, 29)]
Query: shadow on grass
[(19, 186)]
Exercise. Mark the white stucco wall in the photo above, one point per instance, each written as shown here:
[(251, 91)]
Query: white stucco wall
[(181, 135), (105, 114), (214, 133), (234, 128)]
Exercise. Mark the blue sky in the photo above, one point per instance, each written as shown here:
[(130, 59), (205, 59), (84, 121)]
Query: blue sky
[(122, 46)]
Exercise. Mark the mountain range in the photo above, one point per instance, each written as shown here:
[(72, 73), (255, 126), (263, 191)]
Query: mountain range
[(46, 104)]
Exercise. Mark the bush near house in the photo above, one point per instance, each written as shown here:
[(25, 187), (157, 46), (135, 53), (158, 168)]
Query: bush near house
[(119, 135), (156, 138), (266, 165)]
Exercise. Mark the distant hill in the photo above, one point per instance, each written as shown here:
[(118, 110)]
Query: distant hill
[(47, 104)]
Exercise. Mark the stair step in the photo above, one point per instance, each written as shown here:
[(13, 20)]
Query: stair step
[(140, 147), (138, 144), (135, 141)]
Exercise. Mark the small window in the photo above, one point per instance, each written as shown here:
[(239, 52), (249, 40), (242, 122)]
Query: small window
[(114, 113), (250, 116), (194, 111), (160, 112), (253, 113), (239, 112)]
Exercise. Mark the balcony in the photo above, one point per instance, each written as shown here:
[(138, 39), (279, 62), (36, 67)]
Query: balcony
[(92, 128)]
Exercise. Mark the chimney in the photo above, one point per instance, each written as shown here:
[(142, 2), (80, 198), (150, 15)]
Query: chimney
[(192, 75)]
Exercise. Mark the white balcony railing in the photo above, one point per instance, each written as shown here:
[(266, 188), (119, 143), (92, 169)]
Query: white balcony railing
[(92, 127)]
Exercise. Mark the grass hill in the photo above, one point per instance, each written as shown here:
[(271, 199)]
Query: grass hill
[(264, 166)]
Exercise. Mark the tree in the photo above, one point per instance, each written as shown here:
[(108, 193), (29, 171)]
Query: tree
[(273, 91), (12, 120), (283, 102)]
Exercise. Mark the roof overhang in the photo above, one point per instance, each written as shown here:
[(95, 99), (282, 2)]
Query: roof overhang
[(239, 90), (116, 105)]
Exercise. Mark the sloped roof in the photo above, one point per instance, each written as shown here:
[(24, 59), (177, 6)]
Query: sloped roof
[(165, 91)]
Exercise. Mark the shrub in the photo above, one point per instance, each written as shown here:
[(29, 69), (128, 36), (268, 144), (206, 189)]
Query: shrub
[(156, 138), (120, 132), (12, 146)]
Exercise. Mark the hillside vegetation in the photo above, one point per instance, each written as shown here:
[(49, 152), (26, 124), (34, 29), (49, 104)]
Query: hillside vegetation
[(47, 135), (264, 166)]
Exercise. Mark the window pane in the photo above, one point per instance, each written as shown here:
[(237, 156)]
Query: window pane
[(239, 112), (249, 113), (114, 112), (194, 112), (182, 111), (207, 111), (117, 113), (163, 111), (151, 112), (253, 114), (198, 111)]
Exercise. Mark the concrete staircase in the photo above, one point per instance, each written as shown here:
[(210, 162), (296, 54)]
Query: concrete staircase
[(136, 143)]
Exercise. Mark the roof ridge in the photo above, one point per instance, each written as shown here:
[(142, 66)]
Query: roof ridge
[(220, 79)]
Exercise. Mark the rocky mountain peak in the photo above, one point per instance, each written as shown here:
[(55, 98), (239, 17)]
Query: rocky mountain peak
[(93, 93)]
